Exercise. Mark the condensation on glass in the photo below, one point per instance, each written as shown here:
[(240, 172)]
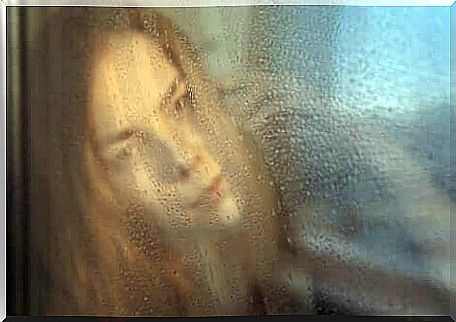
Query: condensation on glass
[(232, 161)]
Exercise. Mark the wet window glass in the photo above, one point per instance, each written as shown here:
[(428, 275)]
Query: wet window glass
[(230, 161)]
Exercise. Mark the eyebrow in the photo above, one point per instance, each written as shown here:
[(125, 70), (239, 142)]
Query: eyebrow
[(170, 93), (117, 137)]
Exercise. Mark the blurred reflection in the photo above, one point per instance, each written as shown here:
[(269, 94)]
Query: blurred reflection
[(159, 196)]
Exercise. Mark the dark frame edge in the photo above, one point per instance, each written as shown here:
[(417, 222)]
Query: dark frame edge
[(17, 146)]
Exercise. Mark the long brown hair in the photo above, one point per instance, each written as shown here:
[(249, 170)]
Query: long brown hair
[(99, 262)]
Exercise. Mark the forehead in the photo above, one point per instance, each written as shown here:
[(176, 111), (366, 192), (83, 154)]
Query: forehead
[(112, 44), (130, 77)]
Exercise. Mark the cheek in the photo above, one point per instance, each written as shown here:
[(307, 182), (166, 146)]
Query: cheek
[(189, 191), (129, 178), (145, 190)]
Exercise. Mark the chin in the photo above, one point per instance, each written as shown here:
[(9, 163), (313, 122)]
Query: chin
[(215, 215), (228, 212)]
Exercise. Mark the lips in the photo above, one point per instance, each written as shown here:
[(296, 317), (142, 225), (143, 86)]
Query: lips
[(215, 188), (212, 193)]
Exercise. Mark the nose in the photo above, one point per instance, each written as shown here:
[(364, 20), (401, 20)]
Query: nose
[(199, 164), (184, 172)]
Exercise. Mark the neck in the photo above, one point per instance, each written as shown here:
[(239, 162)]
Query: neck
[(216, 270)]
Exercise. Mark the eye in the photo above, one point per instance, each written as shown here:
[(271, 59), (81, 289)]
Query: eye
[(119, 153), (190, 95), (181, 105), (124, 153)]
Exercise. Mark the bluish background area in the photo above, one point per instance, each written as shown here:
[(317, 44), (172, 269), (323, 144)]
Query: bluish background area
[(387, 65), (394, 65), (363, 124)]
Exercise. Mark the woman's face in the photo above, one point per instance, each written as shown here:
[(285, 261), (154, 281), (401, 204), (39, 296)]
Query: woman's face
[(147, 137)]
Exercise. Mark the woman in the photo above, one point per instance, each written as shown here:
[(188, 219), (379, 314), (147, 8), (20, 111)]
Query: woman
[(155, 203)]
